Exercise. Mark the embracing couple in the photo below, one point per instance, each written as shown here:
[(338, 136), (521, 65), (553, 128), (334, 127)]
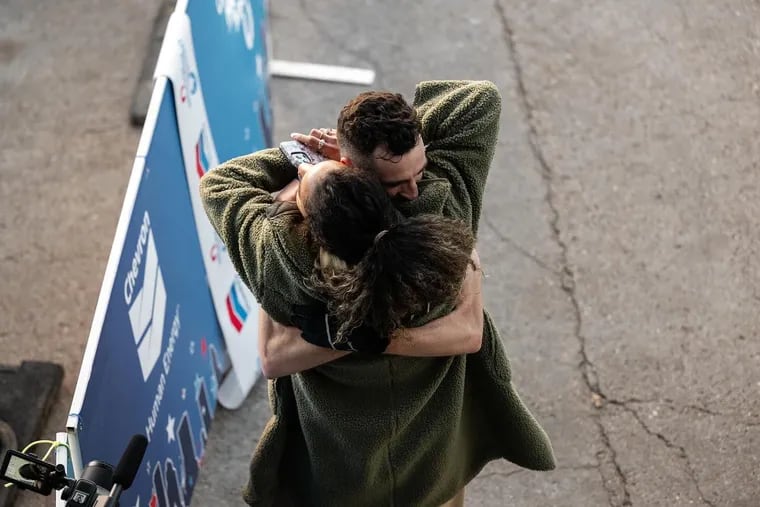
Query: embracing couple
[(390, 384)]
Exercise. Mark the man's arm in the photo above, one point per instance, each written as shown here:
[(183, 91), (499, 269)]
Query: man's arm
[(283, 352), (460, 124), (237, 197)]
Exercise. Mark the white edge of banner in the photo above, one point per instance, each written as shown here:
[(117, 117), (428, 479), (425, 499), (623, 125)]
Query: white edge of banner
[(319, 72), (85, 371), (180, 6), (61, 458), (231, 394)]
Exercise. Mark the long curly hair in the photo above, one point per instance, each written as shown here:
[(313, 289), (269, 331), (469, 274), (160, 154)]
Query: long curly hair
[(376, 266)]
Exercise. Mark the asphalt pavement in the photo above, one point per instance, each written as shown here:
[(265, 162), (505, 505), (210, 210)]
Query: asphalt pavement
[(618, 233)]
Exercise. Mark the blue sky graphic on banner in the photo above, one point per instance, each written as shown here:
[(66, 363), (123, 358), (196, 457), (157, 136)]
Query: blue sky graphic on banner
[(237, 103), (154, 369)]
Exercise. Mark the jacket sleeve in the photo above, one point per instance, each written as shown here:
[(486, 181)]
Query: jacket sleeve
[(460, 124), (237, 197)]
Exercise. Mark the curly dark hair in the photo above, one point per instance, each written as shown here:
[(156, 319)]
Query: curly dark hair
[(373, 119), (392, 267)]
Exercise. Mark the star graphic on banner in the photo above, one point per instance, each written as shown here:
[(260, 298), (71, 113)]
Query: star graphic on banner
[(184, 393), (170, 429), (192, 348), (137, 504)]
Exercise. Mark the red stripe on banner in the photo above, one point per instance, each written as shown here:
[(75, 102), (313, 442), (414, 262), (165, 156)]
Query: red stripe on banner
[(235, 321), (198, 165)]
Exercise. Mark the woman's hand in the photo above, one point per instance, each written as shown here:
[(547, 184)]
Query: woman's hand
[(329, 148)]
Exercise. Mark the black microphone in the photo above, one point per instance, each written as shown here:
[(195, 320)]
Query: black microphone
[(127, 468)]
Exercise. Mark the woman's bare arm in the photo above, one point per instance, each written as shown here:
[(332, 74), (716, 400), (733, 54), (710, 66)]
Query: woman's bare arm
[(284, 352)]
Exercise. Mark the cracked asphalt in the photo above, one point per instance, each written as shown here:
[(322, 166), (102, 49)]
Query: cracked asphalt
[(618, 234)]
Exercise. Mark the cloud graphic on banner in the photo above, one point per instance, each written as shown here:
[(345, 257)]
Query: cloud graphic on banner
[(239, 16)]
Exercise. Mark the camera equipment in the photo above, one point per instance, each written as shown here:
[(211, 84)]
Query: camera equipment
[(29, 472), (99, 485)]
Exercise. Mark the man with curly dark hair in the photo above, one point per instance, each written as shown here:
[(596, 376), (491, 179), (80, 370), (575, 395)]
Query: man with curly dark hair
[(381, 132), (377, 131)]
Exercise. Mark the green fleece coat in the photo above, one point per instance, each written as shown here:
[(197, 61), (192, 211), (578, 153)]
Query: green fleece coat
[(366, 430)]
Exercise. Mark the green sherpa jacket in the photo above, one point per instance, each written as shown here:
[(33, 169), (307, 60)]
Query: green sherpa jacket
[(368, 430)]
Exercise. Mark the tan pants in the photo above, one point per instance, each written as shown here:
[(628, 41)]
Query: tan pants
[(457, 501)]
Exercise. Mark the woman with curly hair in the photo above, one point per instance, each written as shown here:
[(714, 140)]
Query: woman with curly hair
[(378, 273), (377, 268)]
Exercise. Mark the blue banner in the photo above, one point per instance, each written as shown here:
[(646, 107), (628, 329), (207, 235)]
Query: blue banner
[(155, 369), (235, 84), (215, 56), (171, 312)]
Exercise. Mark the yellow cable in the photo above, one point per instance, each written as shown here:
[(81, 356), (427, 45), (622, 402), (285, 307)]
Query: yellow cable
[(37, 442)]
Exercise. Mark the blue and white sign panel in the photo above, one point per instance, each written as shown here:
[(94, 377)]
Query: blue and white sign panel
[(160, 347), (215, 55), (231, 49), (156, 353)]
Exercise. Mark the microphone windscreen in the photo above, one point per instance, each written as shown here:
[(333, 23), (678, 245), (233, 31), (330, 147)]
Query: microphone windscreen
[(130, 461)]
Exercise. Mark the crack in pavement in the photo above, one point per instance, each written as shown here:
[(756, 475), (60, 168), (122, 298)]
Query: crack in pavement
[(676, 407), (566, 275), (696, 408), (680, 450), (342, 43), (611, 493), (514, 244)]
